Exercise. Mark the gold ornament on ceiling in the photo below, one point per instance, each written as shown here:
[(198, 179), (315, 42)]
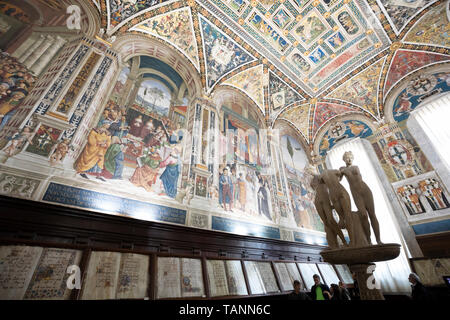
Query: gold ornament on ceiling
[(395, 45)]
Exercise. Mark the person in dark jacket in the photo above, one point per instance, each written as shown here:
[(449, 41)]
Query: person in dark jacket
[(338, 293), (354, 292), (297, 294), (319, 291), (419, 292), (344, 290)]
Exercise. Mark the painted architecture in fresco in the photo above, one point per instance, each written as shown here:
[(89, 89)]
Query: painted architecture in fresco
[(300, 192), (168, 110)]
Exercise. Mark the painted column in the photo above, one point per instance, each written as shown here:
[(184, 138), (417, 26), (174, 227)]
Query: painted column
[(134, 92), (31, 49), (47, 42), (408, 233), (25, 46), (45, 58), (129, 87)]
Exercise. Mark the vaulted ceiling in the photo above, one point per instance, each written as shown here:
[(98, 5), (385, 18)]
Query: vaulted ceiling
[(306, 62)]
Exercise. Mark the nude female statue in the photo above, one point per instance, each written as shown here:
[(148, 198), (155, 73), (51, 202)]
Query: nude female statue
[(362, 196), (323, 207), (341, 202)]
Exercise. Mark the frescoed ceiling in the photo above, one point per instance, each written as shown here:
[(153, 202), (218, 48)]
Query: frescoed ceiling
[(303, 61)]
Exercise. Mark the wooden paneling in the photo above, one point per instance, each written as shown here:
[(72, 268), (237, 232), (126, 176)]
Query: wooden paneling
[(41, 223), (435, 245)]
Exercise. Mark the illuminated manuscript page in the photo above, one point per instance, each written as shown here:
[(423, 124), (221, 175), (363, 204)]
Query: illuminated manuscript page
[(191, 278), (235, 277), (308, 270), (102, 274), (217, 277), (283, 275), (17, 264), (254, 278), (328, 273), (293, 272), (267, 276), (168, 275), (49, 280), (133, 276), (344, 272)]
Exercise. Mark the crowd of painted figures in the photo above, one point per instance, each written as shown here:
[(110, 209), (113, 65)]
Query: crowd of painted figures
[(152, 145), (247, 191), (15, 83)]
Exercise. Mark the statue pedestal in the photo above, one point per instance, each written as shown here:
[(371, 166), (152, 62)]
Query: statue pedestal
[(361, 261), (364, 276)]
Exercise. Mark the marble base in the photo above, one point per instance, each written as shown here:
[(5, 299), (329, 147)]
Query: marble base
[(361, 255), (361, 261), (368, 289)]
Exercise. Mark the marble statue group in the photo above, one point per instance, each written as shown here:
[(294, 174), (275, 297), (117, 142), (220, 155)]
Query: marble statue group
[(330, 194)]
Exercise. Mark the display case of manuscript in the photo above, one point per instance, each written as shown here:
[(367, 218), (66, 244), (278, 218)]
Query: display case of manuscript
[(431, 271), (115, 275), (225, 277), (287, 274), (179, 278), (328, 273), (308, 270), (344, 272), (261, 277), (35, 272)]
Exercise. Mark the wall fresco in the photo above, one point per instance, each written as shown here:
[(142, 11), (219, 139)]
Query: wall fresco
[(222, 54), (280, 93), (176, 28), (250, 81), (121, 10), (15, 84), (406, 61), (418, 89), (300, 192), (398, 153), (340, 130), (299, 116), (432, 28), (325, 111), (401, 11)]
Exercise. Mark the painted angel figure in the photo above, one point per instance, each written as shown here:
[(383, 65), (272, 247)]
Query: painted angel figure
[(60, 151), (17, 141)]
